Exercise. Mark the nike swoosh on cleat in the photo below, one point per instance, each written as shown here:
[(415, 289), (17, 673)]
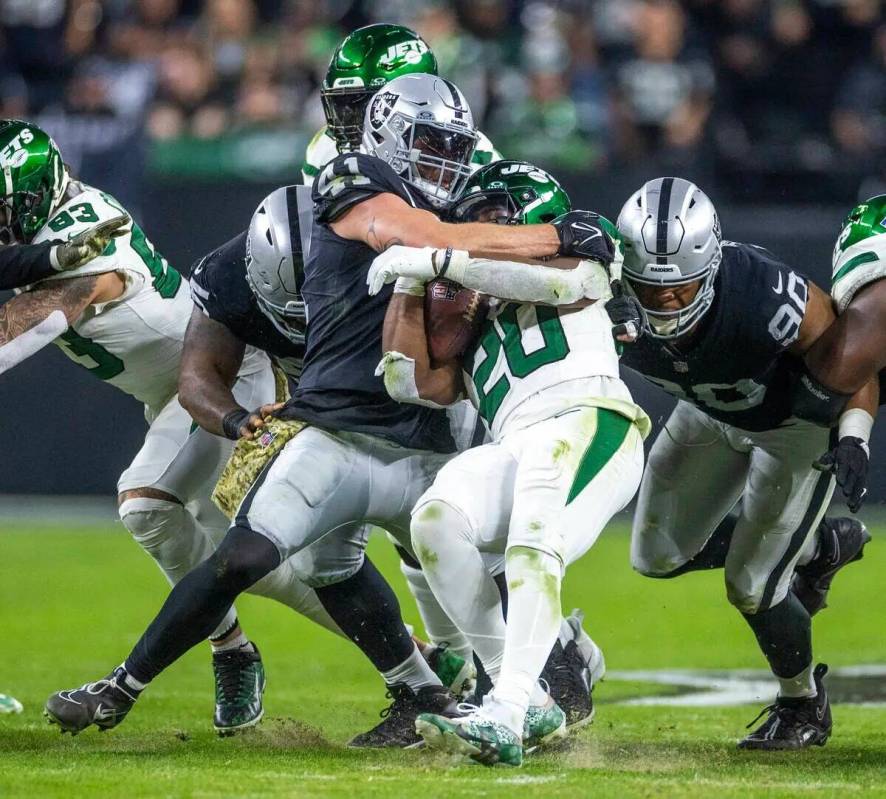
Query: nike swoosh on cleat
[(102, 714)]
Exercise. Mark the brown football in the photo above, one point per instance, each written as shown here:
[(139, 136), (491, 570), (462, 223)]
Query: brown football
[(453, 317)]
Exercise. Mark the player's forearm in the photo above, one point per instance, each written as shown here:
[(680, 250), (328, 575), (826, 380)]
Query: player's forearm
[(24, 265), (207, 397), (498, 241), (406, 366)]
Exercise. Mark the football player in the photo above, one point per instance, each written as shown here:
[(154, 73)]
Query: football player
[(363, 62), (366, 60), (247, 293), (566, 454), (352, 435), (853, 349), (724, 326), (122, 316)]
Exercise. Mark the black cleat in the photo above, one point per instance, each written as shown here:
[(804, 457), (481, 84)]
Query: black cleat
[(239, 685), (397, 730), (103, 703), (572, 671), (794, 723), (842, 541)]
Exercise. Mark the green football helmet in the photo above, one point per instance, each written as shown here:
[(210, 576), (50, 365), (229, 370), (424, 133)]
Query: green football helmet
[(865, 220), (511, 193), (33, 180), (367, 59)]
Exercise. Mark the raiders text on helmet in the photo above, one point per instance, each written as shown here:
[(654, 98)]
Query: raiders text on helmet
[(671, 236), (422, 126)]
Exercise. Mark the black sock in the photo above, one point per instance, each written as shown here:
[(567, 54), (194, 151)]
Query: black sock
[(367, 611), (712, 555), (784, 633), (200, 600)]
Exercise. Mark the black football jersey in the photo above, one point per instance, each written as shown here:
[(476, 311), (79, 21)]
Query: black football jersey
[(736, 368), (338, 387), (220, 290)]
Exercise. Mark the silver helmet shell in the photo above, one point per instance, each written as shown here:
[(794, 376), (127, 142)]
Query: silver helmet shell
[(274, 262), (671, 235), (422, 126)]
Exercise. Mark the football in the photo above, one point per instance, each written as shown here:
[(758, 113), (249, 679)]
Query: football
[(453, 316)]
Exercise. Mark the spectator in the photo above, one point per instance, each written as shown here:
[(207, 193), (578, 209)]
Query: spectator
[(663, 89)]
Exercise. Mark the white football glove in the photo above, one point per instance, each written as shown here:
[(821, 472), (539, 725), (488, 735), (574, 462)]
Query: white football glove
[(400, 261)]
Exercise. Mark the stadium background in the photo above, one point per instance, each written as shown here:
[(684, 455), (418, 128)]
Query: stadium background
[(190, 111)]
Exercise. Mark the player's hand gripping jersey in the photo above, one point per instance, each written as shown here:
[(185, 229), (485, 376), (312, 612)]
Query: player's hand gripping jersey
[(533, 362), (736, 368), (338, 387)]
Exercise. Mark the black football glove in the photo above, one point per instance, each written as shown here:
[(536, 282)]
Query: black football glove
[(626, 313), (582, 236), (849, 461)]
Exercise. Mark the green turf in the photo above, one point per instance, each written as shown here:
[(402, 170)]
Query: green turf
[(75, 601)]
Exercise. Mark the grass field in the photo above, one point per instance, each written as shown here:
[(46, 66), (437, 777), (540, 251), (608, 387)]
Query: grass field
[(74, 601)]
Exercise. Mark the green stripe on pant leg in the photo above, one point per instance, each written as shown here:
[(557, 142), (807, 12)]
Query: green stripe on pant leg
[(612, 428)]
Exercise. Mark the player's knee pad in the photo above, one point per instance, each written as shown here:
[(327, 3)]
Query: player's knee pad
[(167, 532), (745, 595), (435, 524)]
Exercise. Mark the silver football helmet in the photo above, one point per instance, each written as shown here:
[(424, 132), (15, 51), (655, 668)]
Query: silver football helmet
[(274, 263), (423, 127), (671, 236)]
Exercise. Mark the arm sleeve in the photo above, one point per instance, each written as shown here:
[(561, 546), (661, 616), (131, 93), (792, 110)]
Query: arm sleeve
[(25, 264)]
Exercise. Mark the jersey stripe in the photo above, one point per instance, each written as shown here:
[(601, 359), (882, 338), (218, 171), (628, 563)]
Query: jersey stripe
[(612, 429), (862, 258)]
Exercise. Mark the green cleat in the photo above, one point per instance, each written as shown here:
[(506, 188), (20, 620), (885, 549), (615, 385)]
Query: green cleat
[(239, 685), (456, 673), (474, 736), (9, 704), (543, 725)]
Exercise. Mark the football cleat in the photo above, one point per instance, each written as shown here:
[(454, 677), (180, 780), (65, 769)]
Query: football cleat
[(474, 735), (397, 729), (9, 704), (103, 703), (543, 724), (794, 723), (456, 673), (239, 685), (842, 541), (573, 670)]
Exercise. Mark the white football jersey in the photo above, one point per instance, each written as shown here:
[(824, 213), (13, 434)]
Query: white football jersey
[(532, 362), (134, 342), (322, 149)]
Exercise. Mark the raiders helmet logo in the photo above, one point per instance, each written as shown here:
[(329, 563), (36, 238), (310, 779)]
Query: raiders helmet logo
[(382, 105)]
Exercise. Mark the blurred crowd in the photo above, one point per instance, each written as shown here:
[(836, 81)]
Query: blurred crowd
[(764, 93)]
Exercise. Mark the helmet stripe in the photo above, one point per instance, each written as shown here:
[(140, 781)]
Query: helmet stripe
[(664, 207)]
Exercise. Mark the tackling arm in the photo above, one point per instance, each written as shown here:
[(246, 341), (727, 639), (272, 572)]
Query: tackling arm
[(211, 359), (32, 320), (406, 366)]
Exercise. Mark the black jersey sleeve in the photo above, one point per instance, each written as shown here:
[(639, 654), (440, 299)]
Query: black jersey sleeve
[(350, 179), (778, 294), (218, 282), (24, 264)]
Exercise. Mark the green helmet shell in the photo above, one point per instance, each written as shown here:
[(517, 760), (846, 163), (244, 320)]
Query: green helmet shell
[(511, 193), (33, 179), (367, 59), (865, 220)]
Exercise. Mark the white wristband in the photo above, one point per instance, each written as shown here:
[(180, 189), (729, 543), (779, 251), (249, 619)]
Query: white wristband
[(857, 423), (451, 264)]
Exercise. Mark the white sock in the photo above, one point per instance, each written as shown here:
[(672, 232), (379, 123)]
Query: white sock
[(414, 671), (455, 571), (238, 641), (534, 618), (439, 627), (799, 687), (505, 713), (539, 695), (131, 682)]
